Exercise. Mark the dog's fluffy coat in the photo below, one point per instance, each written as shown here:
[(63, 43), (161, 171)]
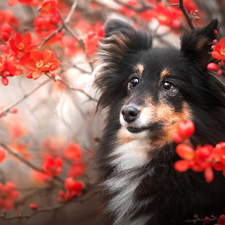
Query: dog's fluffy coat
[(136, 154)]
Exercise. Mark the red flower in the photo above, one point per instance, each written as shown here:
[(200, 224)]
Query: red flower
[(3, 154), (33, 206), (219, 152), (76, 170), (47, 5), (53, 166), (37, 62), (185, 128), (166, 15), (24, 2), (93, 38), (185, 151), (8, 194), (20, 44), (5, 31), (73, 152), (47, 23), (9, 67), (219, 50), (126, 11)]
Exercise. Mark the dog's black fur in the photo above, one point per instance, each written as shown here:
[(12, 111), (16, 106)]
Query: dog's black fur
[(140, 183)]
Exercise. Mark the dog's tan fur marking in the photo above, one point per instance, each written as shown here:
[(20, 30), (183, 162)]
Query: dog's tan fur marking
[(123, 138), (170, 119), (164, 73), (140, 69)]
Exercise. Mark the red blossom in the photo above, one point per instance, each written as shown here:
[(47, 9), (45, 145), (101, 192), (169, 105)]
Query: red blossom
[(73, 188), (47, 5), (33, 206), (39, 177), (219, 50), (24, 2), (47, 23), (73, 152), (126, 11), (93, 38), (3, 154), (9, 67), (37, 62), (53, 166), (185, 151), (76, 170), (8, 194), (185, 128), (20, 44), (167, 15), (212, 67)]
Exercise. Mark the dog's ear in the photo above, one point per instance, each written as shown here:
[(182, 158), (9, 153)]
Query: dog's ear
[(114, 52), (197, 44), (121, 38)]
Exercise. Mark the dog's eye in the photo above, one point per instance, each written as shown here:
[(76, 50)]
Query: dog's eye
[(167, 85), (134, 82)]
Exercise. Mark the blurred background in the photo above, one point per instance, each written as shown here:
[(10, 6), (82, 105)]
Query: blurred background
[(49, 126)]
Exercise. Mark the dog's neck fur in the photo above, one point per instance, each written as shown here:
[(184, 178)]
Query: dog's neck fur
[(127, 160)]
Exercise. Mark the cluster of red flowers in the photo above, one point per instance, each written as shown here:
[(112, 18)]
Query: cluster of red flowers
[(20, 54), (219, 54), (73, 189), (203, 158), (93, 36), (53, 166), (8, 195), (74, 153), (169, 16)]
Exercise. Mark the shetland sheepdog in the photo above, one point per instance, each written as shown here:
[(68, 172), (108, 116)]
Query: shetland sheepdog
[(147, 92)]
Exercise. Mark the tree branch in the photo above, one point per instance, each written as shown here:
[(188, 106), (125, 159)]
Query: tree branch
[(7, 109), (29, 164), (187, 16)]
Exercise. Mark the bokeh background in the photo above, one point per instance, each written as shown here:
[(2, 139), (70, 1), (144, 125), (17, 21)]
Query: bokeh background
[(55, 115)]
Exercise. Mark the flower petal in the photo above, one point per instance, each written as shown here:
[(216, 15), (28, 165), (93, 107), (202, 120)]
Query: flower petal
[(37, 55), (36, 74), (26, 39), (30, 64), (222, 42), (17, 38), (48, 56)]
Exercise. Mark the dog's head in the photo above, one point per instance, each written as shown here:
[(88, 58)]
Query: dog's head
[(151, 90)]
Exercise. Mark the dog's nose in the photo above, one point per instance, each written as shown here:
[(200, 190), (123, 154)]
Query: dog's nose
[(130, 113)]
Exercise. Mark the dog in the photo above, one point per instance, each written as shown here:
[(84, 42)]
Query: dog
[(146, 92)]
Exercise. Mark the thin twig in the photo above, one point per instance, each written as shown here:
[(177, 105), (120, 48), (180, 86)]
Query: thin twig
[(29, 164), (51, 35), (71, 12), (187, 16), (7, 109), (57, 78), (51, 209)]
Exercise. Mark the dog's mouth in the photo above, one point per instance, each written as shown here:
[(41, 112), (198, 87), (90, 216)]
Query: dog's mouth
[(137, 130)]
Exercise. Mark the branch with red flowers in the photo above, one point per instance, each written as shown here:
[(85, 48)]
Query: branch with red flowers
[(36, 211), (29, 164), (206, 220)]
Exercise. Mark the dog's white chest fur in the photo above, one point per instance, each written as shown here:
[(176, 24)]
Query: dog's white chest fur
[(128, 159)]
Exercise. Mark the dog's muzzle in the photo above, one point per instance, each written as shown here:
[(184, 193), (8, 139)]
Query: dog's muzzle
[(130, 114)]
